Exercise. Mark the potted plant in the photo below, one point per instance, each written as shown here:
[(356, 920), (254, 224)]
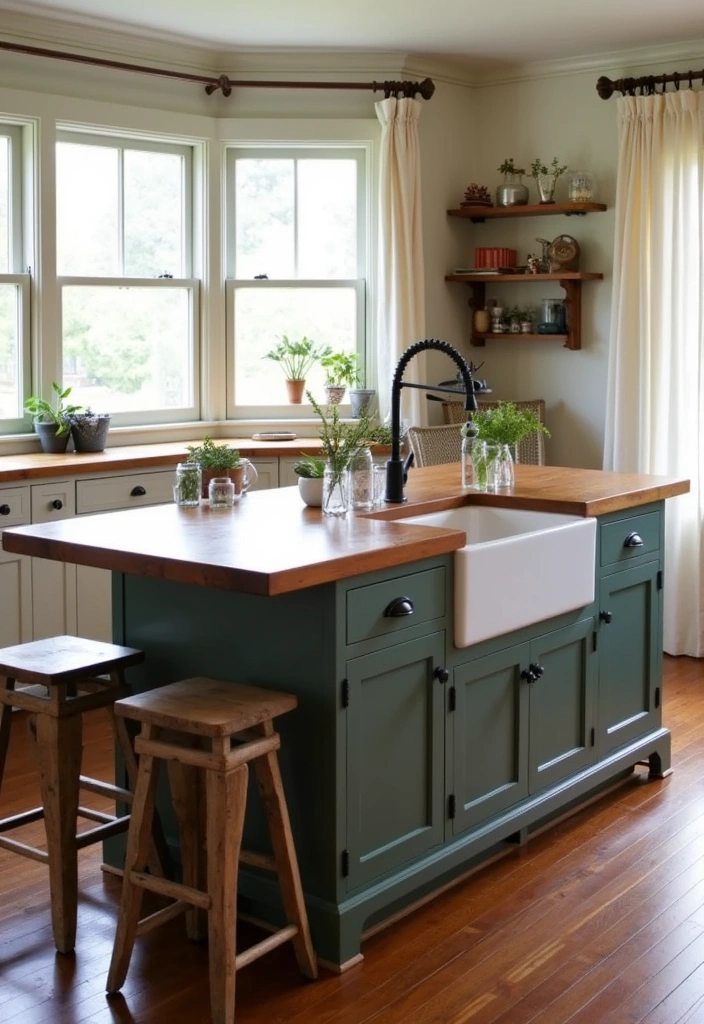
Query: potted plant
[(52, 422), (513, 192), (89, 430), (310, 472), (506, 424), (296, 358), (341, 371), (219, 460), (546, 178), (340, 442), (360, 397)]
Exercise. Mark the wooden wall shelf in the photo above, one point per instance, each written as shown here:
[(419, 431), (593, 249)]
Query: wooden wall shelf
[(478, 214)]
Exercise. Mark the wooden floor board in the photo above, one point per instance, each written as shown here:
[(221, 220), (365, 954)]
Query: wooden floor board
[(599, 919)]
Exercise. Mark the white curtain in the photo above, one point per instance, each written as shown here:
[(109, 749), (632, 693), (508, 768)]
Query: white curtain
[(401, 286), (655, 396)]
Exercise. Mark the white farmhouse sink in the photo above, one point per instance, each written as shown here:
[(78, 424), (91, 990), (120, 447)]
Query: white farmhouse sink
[(516, 568)]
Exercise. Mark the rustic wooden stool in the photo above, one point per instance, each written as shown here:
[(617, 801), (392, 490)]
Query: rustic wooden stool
[(61, 672), (214, 729)]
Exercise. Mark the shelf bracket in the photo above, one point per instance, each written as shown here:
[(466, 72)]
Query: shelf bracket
[(573, 311)]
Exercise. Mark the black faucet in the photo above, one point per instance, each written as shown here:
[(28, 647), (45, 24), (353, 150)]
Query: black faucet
[(396, 468)]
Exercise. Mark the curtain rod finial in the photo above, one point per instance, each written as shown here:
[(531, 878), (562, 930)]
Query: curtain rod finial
[(605, 87)]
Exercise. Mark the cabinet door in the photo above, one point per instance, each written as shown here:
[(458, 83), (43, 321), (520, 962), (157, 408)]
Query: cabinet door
[(267, 474), (562, 704), (490, 737), (630, 657), (15, 599), (395, 756), (53, 583)]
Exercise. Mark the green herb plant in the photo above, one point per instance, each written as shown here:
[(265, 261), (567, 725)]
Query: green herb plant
[(189, 486), (506, 424), (340, 440), (310, 467), (297, 357), (209, 455), (341, 369), (59, 413), (554, 170), (508, 167)]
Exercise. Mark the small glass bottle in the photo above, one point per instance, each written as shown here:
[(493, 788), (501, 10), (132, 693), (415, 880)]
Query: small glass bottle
[(188, 484), (499, 467), (221, 492), (335, 489), (473, 460), (361, 480)]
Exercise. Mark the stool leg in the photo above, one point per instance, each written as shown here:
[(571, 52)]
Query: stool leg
[(226, 797), (8, 684), (272, 791), (59, 743), (189, 806), (138, 841)]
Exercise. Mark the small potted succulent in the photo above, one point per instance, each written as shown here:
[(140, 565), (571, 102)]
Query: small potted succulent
[(297, 358), (310, 472), (52, 422), (341, 371), (89, 430)]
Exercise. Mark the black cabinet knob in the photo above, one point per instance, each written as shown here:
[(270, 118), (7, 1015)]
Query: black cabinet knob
[(399, 607), (442, 674), (5, 510), (527, 675), (57, 503), (138, 491), (536, 669), (633, 540), (606, 617)]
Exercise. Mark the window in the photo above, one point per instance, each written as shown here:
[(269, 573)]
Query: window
[(296, 265), (129, 300), (14, 284)]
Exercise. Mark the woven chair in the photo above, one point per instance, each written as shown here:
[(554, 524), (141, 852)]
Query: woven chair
[(531, 450), (433, 446)]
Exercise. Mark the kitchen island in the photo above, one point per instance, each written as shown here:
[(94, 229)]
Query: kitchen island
[(408, 760)]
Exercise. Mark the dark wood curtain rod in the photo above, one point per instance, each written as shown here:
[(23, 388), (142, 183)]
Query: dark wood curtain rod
[(647, 85), (426, 88)]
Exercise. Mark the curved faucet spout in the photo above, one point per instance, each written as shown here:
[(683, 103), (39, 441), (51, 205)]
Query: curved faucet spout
[(395, 468)]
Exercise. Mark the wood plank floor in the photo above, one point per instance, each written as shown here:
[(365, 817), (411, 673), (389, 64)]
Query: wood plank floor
[(598, 920)]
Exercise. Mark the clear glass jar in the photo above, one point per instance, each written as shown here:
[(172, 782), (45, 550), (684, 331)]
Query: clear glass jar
[(499, 467), (580, 187), (473, 461), (335, 490), (361, 471), (221, 492), (188, 484)]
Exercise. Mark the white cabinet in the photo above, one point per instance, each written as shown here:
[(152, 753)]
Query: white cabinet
[(287, 478), (15, 572), (267, 474), (53, 583)]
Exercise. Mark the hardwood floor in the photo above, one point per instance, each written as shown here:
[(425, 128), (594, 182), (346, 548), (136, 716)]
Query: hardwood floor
[(597, 920)]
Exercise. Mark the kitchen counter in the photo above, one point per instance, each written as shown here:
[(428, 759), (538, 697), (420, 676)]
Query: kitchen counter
[(270, 543)]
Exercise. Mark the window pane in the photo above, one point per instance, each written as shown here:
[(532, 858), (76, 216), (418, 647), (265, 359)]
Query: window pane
[(9, 353), (263, 315), (5, 266), (127, 349), (264, 224), (87, 210), (153, 214), (327, 218)]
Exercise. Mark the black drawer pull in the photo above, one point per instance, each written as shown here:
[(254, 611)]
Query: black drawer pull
[(399, 607), (633, 540), (57, 503), (606, 617), (442, 674), (5, 510), (138, 491)]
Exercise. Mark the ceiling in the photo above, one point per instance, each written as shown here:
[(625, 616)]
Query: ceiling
[(463, 30)]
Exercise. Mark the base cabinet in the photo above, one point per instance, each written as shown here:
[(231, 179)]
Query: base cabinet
[(16, 590)]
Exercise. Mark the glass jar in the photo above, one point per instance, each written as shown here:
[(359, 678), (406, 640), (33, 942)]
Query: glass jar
[(361, 469), (188, 484), (473, 460), (580, 187), (221, 492), (499, 467), (335, 489)]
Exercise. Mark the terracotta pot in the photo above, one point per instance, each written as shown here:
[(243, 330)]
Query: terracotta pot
[(236, 475), (295, 390)]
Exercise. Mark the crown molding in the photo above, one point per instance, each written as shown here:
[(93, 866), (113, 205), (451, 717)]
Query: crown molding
[(335, 64)]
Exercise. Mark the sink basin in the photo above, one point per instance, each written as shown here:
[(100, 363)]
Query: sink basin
[(516, 568)]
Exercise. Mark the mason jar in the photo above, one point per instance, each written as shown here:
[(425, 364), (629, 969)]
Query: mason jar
[(188, 484)]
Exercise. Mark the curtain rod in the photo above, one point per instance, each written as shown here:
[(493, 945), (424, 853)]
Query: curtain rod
[(426, 88), (647, 84)]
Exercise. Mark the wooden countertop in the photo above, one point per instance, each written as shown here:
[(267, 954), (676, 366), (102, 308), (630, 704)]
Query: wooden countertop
[(140, 456), (270, 543)]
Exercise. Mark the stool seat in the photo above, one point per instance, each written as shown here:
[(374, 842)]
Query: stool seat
[(63, 677), (208, 730)]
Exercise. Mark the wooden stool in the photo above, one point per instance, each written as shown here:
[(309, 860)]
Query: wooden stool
[(61, 671), (215, 729)]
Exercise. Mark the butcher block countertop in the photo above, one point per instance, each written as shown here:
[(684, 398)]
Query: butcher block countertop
[(270, 543)]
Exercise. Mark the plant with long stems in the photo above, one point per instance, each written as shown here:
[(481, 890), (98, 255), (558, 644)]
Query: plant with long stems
[(297, 357), (340, 441)]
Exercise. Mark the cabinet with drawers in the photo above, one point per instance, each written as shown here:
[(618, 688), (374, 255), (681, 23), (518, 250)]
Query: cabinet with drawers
[(15, 572)]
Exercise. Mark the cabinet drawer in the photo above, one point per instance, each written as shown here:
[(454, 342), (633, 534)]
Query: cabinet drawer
[(53, 501), (111, 493), (615, 536), (14, 506), (366, 606)]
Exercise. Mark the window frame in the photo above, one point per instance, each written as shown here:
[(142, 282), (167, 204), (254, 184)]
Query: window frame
[(360, 151), (124, 141), (18, 274)]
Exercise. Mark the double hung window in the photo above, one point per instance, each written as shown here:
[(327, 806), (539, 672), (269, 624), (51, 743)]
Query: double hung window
[(125, 265), (14, 283), (297, 245)]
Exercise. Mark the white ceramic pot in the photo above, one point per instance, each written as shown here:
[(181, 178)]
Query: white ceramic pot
[(310, 489)]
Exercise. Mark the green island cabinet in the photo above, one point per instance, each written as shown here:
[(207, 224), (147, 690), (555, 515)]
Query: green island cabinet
[(409, 761)]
